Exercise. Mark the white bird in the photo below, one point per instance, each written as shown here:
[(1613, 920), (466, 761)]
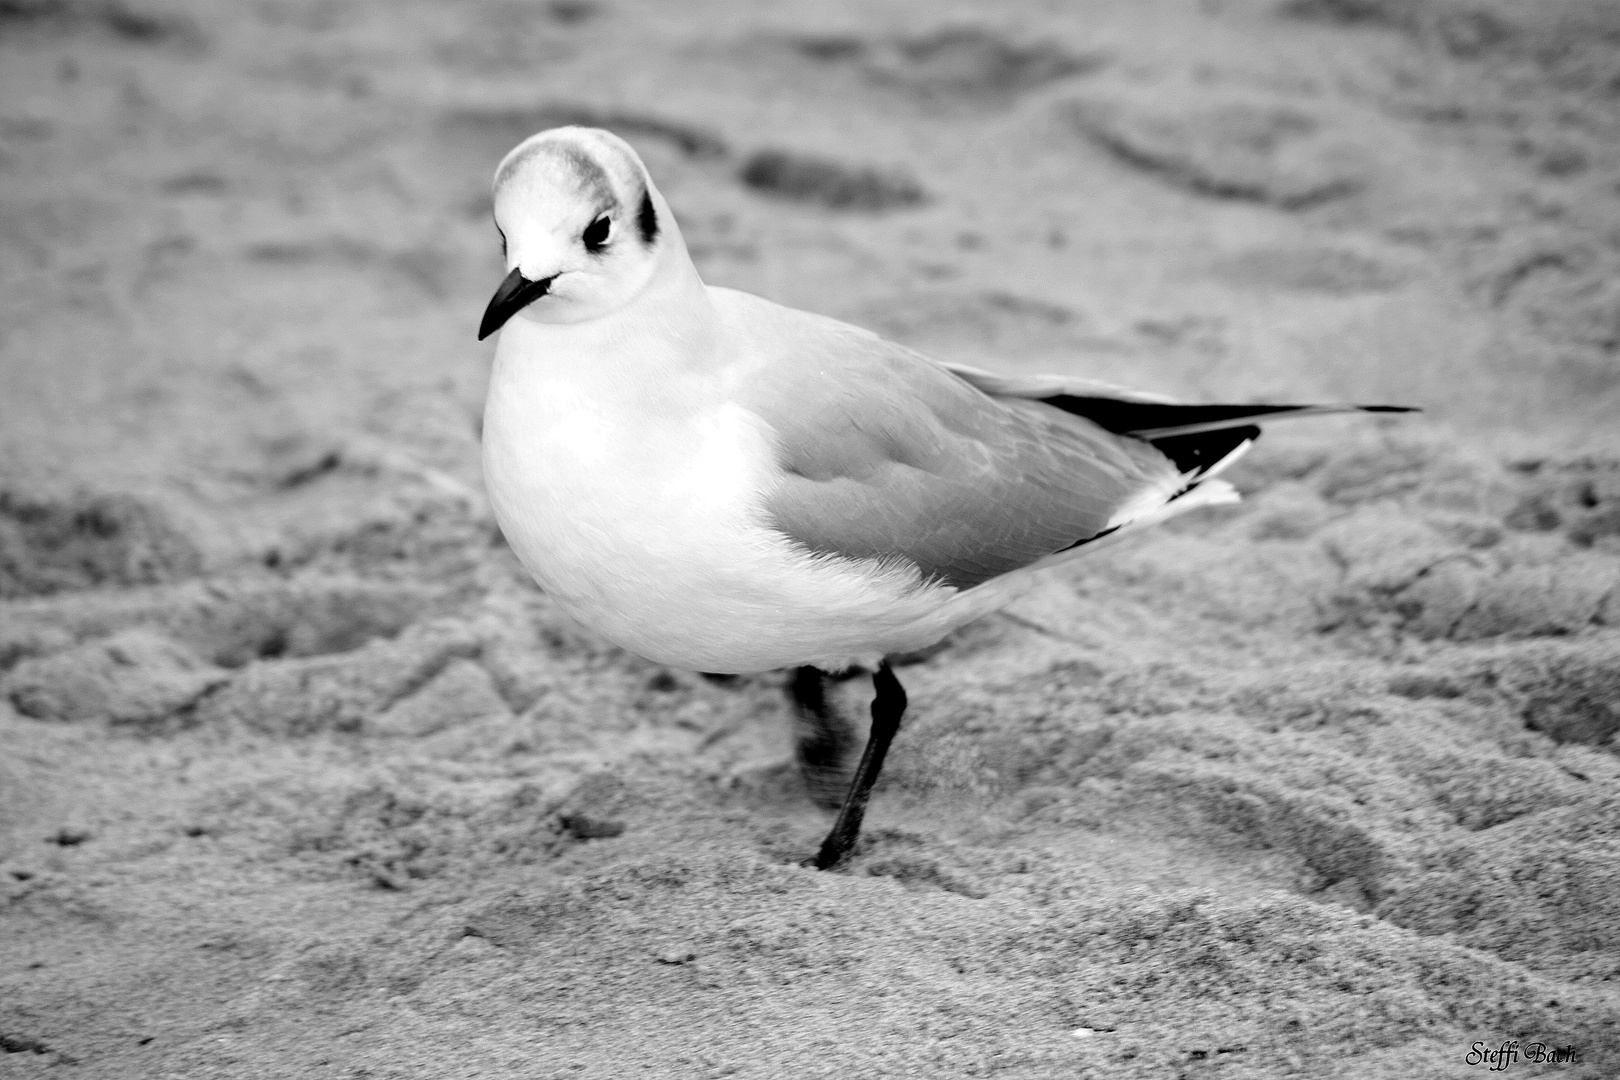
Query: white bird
[(720, 483)]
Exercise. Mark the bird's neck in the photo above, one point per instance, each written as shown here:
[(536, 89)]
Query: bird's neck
[(674, 310)]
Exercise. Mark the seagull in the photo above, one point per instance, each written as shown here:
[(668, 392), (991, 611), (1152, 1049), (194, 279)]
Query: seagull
[(723, 484)]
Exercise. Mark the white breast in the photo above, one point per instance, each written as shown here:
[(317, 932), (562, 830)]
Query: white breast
[(637, 507)]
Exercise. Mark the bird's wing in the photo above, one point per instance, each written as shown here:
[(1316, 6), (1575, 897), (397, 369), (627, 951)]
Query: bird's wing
[(885, 454)]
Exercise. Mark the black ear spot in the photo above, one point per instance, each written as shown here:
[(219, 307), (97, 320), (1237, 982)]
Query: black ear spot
[(596, 234), (647, 219)]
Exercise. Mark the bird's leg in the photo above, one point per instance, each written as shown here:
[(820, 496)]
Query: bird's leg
[(887, 707), (823, 738)]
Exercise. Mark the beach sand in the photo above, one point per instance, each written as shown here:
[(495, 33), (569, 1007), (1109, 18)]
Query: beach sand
[(301, 777)]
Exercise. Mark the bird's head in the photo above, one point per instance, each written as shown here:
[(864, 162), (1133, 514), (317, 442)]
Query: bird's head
[(581, 224)]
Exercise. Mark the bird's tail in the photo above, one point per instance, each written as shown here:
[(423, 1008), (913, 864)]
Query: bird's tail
[(1144, 415), (1153, 420), (1200, 439)]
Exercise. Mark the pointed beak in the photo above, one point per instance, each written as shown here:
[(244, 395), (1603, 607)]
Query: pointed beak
[(516, 293)]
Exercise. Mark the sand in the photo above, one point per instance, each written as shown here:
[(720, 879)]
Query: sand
[(302, 778)]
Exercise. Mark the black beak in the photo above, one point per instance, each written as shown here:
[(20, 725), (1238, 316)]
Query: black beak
[(516, 293)]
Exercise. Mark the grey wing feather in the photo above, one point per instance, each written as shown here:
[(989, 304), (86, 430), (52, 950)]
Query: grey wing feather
[(888, 454)]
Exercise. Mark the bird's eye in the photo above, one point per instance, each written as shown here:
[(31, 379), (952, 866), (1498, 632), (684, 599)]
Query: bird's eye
[(596, 234)]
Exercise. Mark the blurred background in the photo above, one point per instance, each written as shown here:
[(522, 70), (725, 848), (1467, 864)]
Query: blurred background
[(303, 777)]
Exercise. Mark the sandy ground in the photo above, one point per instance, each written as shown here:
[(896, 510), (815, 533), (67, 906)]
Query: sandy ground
[(301, 778)]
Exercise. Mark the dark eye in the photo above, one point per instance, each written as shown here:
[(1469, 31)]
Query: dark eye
[(596, 234)]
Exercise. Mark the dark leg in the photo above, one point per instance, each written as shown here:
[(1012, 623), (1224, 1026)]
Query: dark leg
[(823, 739), (887, 708)]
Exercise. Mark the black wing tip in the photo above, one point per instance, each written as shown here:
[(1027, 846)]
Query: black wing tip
[(1195, 454), (1152, 419)]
